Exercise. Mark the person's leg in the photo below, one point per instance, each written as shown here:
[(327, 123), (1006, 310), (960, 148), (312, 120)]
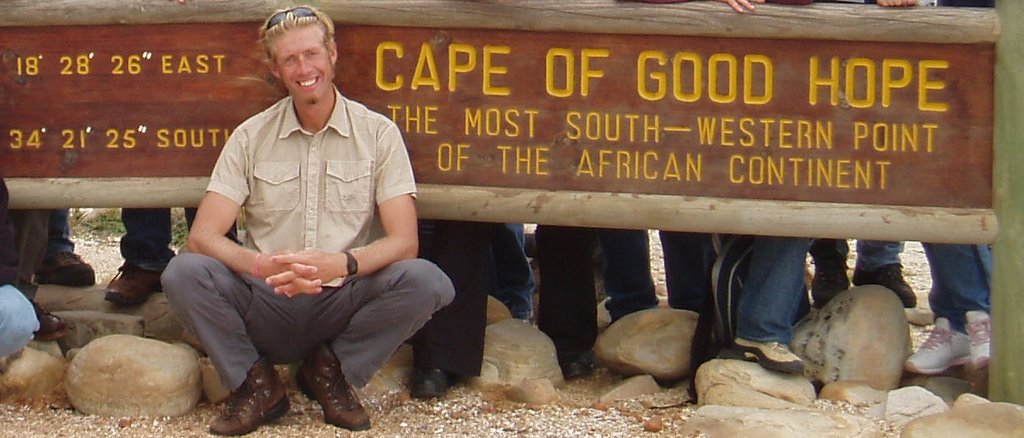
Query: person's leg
[(213, 304), (567, 311), (374, 314), (874, 254), (30, 242), (17, 320), (514, 282), (878, 262), (147, 237), (463, 251), (146, 253), (61, 265), (627, 271), (830, 277), (771, 300), (961, 276), (961, 281), (688, 259), (58, 233)]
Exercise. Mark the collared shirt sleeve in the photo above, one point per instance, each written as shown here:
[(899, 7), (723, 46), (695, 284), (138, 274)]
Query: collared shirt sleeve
[(394, 175), (230, 174)]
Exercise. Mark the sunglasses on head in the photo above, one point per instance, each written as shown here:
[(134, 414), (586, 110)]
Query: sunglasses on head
[(299, 12)]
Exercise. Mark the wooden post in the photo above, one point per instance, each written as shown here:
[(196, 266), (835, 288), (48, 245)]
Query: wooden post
[(1006, 376)]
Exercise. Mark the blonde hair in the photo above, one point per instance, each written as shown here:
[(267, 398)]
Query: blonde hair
[(291, 21)]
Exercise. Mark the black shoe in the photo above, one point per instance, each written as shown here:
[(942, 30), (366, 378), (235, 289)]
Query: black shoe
[(432, 383), (829, 280), (890, 276), (576, 365)]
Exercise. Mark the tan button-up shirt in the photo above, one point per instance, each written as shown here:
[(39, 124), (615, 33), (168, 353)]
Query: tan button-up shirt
[(302, 190)]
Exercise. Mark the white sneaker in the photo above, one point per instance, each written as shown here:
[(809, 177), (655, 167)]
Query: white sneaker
[(979, 330), (943, 348)]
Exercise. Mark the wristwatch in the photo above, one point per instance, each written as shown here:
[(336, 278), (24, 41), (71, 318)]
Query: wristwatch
[(353, 264)]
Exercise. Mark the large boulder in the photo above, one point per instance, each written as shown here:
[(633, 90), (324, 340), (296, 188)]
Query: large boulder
[(985, 420), (729, 421), (129, 376), (861, 334), (737, 383), (515, 351), (654, 341), (31, 375)]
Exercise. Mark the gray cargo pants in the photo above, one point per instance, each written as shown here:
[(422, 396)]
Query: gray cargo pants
[(239, 319)]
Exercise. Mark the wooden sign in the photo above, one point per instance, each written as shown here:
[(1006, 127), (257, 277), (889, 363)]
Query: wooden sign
[(795, 120)]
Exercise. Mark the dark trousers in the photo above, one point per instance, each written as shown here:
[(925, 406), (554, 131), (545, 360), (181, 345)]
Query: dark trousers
[(453, 339), (566, 312)]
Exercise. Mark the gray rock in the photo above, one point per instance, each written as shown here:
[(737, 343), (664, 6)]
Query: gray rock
[(533, 392), (86, 325), (31, 375), (861, 334), (986, 420), (631, 388), (653, 341), (905, 404), (515, 351), (129, 376), (738, 383), (729, 422)]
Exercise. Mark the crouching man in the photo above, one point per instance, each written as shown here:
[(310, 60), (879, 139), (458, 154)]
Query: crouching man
[(306, 285)]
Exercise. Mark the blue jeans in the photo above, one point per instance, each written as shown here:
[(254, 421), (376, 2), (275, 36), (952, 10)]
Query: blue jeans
[(513, 277), (148, 235), (58, 234), (17, 320), (627, 271), (774, 294), (875, 254), (688, 260), (961, 280)]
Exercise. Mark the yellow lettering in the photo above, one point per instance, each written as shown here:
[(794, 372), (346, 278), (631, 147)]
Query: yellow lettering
[(381, 81)]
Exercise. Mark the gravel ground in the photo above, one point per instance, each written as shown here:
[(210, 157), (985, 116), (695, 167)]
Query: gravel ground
[(464, 412)]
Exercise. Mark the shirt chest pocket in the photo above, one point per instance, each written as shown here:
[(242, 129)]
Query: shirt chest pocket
[(349, 186), (276, 185)]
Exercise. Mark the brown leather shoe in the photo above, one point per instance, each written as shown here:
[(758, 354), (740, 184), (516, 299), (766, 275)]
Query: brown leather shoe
[(51, 327), (320, 378), (260, 399), (66, 269), (132, 285)]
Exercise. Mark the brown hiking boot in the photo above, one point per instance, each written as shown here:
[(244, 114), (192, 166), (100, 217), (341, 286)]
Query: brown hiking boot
[(66, 269), (51, 327), (132, 285), (259, 400), (321, 379)]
